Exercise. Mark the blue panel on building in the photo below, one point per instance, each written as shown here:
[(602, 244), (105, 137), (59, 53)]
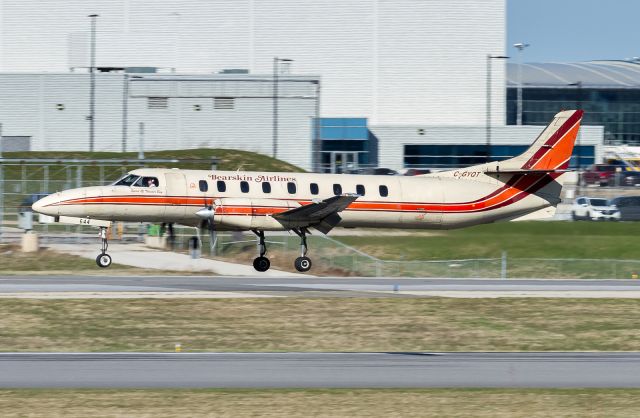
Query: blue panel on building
[(344, 129)]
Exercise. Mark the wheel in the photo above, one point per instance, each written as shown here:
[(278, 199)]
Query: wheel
[(574, 216), (103, 260), (303, 264), (261, 264)]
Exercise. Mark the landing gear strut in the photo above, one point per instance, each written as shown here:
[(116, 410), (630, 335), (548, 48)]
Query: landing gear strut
[(103, 260), (302, 263), (261, 263)]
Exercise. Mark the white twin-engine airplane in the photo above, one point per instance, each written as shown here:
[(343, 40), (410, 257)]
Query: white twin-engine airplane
[(527, 185)]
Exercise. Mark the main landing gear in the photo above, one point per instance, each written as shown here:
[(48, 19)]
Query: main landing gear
[(261, 263), (103, 260), (302, 263)]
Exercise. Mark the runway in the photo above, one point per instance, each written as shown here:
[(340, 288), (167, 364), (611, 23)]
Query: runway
[(318, 370), (219, 286)]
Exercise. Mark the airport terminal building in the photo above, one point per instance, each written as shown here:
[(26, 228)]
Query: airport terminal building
[(608, 92)]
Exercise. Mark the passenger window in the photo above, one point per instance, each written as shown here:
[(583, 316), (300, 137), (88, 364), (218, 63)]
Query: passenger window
[(266, 187), (314, 189), (147, 182), (360, 189), (204, 186), (291, 188), (244, 187), (222, 186), (337, 189), (384, 191)]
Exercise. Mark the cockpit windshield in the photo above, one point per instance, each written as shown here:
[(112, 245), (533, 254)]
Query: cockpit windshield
[(127, 180)]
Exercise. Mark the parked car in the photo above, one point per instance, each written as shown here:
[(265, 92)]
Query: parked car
[(416, 171), (378, 171), (610, 175), (628, 206), (627, 178), (602, 174), (595, 209)]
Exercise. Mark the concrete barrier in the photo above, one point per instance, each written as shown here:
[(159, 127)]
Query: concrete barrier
[(155, 242), (30, 243)]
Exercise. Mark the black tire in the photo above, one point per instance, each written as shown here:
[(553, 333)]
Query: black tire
[(261, 264), (103, 260), (302, 264), (574, 216)]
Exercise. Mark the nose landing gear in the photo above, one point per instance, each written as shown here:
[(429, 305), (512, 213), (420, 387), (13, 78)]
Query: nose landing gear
[(103, 260), (302, 263), (261, 263)]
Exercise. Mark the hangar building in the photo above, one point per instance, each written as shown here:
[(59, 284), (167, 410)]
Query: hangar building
[(398, 84)]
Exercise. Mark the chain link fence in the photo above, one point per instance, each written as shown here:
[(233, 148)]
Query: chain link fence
[(23, 182)]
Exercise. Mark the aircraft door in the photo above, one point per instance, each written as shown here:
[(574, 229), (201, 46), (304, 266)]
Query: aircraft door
[(176, 195)]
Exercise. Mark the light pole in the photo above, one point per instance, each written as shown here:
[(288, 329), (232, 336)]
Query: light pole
[(317, 143), (488, 112), (520, 46), (276, 62), (578, 85), (92, 83)]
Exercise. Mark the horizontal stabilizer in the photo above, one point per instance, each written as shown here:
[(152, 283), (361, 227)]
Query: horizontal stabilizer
[(524, 171)]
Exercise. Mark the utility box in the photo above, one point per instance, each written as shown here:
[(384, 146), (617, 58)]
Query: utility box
[(25, 220)]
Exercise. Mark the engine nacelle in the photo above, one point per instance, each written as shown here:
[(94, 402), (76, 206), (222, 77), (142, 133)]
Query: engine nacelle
[(246, 213)]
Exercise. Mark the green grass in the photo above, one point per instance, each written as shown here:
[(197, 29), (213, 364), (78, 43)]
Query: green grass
[(614, 240), (320, 324), (228, 159), (321, 402)]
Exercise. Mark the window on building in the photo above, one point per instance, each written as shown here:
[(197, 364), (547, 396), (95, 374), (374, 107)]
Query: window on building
[(244, 187), (204, 186), (360, 189), (266, 187), (222, 186), (157, 102), (313, 188), (337, 189), (224, 103), (291, 187), (384, 191)]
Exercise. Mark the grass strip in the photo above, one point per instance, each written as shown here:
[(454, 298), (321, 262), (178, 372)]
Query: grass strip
[(320, 324), (323, 403), (615, 240)]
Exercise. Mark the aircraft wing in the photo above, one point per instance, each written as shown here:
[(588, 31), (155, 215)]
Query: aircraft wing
[(322, 215)]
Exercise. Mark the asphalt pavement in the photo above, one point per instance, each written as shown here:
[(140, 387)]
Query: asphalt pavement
[(319, 370), (214, 286)]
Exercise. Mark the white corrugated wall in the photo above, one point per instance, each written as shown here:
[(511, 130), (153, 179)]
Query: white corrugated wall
[(394, 61)]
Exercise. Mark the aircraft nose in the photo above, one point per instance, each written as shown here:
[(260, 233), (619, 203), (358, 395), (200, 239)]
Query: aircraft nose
[(45, 205)]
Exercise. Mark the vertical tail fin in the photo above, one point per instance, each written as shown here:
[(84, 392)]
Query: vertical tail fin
[(553, 147)]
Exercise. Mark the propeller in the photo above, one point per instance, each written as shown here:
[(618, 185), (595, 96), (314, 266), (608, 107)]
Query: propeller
[(207, 213)]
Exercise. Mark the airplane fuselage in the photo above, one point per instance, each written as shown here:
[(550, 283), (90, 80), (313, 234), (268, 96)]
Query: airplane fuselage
[(247, 200)]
